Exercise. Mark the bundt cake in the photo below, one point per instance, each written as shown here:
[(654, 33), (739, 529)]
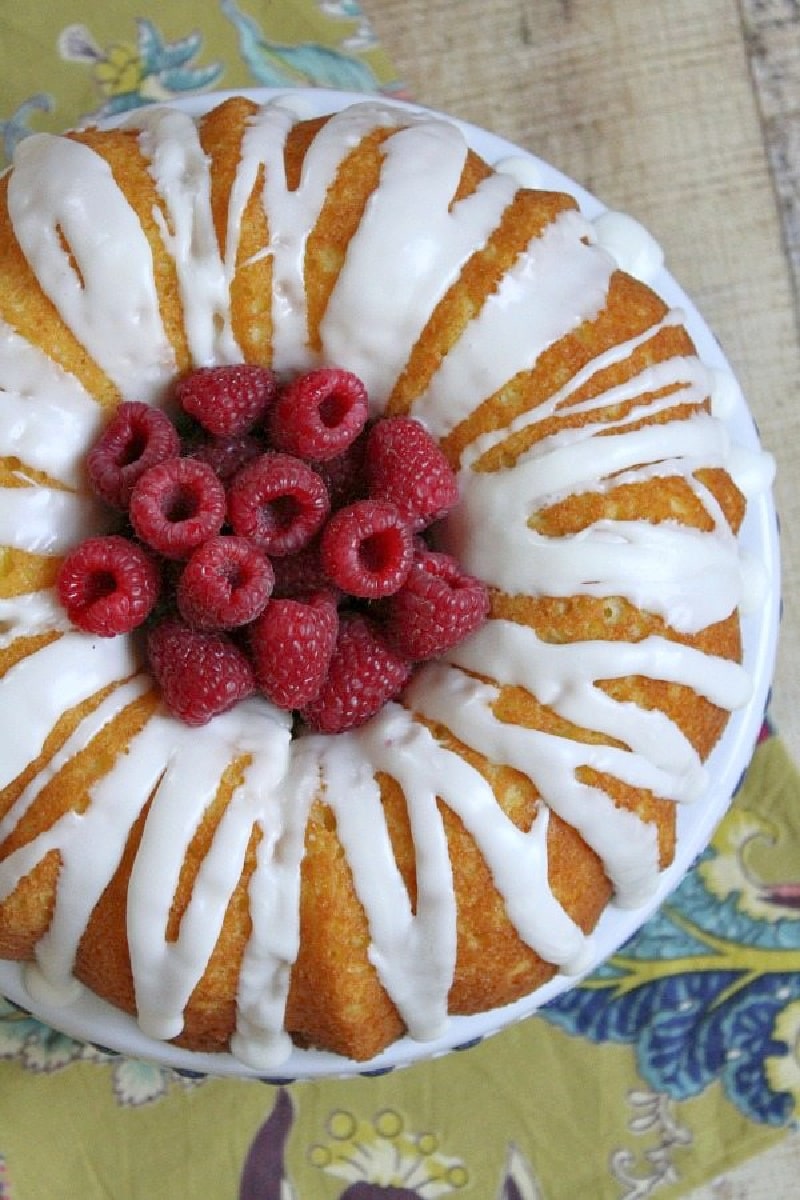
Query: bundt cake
[(254, 882)]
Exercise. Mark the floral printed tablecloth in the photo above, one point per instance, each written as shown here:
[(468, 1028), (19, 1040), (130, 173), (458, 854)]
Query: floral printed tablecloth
[(678, 1058)]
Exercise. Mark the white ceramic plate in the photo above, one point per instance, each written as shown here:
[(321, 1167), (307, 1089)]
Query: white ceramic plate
[(90, 1019)]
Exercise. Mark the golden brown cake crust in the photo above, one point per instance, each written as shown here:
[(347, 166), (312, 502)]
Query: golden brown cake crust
[(336, 999)]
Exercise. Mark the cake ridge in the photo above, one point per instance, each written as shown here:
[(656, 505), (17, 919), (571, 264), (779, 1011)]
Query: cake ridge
[(691, 578)]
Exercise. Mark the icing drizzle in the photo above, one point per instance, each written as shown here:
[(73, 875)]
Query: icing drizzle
[(104, 289)]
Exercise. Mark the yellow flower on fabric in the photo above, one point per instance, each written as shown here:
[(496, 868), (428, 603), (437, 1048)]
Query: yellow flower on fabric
[(120, 71), (783, 1071), (385, 1153), (731, 871)]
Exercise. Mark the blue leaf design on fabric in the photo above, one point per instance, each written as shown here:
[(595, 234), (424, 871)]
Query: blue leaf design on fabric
[(746, 1030), (661, 937), (697, 992), (274, 64), (15, 128), (122, 103), (186, 79), (677, 1053), (614, 1015), (726, 919), (158, 55), (154, 70)]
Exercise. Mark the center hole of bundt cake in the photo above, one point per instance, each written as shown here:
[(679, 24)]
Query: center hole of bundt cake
[(278, 542)]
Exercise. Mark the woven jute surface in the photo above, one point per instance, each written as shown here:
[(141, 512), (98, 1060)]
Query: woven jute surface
[(670, 112), (687, 116)]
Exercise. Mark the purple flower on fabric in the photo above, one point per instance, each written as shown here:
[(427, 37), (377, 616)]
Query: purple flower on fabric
[(377, 1191), (378, 1158), (264, 1173)]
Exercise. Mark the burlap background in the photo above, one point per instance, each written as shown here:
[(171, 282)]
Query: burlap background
[(686, 115), (674, 113)]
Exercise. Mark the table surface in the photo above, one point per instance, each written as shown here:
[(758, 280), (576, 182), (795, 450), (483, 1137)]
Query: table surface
[(687, 116)]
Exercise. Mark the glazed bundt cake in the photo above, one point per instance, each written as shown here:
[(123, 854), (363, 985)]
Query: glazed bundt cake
[(255, 882)]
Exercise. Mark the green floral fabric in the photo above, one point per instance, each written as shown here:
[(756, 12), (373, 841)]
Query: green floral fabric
[(66, 63), (674, 1060)]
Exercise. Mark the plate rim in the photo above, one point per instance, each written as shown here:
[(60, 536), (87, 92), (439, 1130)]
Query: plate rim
[(97, 1023)]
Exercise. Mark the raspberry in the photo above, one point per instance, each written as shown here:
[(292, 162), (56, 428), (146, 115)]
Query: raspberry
[(318, 415), (226, 583), (200, 674), (284, 564), (176, 505), (437, 607), (344, 476), (366, 549), (279, 502), (135, 439), (108, 585), (226, 455), (227, 400), (364, 673), (299, 574), (406, 467), (292, 643)]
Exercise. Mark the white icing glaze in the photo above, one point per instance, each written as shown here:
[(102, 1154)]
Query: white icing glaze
[(491, 534), (632, 247), (39, 688), (274, 894), (524, 170), (170, 140), (45, 520), (419, 261), (563, 678), (29, 614), (48, 417), (292, 214), (516, 324), (167, 972), (62, 189), (626, 845), (375, 314)]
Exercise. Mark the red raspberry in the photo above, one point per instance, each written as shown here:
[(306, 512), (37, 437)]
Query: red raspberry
[(406, 467), (291, 644), (299, 574), (176, 505), (437, 607), (226, 583), (227, 400), (226, 455), (318, 415), (345, 476), (135, 439), (200, 674), (279, 502), (364, 673), (108, 585), (366, 549)]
